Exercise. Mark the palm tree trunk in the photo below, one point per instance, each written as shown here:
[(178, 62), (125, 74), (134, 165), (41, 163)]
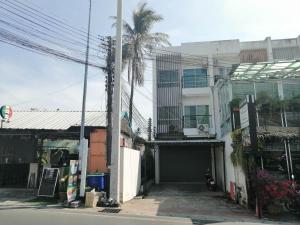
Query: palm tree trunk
[(131, 95)]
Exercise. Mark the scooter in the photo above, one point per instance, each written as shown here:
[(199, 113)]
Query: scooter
[(210, 182)]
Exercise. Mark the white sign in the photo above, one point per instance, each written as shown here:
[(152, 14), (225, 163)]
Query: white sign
[(244, 116)]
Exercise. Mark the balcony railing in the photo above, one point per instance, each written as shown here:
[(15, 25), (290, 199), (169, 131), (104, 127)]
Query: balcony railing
[(194, 121)]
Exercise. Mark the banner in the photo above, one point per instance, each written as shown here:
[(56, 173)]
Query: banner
[(72, 181)]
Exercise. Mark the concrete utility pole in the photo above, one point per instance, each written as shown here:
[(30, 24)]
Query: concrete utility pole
[(82, 141), (109, 90), (116, 129)]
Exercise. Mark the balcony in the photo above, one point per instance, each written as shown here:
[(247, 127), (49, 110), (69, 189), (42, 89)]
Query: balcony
[(198, 126)]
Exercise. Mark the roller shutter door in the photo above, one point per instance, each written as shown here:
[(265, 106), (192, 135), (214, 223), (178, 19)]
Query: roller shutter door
[(184, 163)]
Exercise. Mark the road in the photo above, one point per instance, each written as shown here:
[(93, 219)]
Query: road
[(34, 216)]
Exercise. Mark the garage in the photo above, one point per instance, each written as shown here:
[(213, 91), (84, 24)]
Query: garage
[(184, 163)]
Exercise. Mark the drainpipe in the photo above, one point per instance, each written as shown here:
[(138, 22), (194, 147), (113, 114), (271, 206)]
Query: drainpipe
[(224, 168)]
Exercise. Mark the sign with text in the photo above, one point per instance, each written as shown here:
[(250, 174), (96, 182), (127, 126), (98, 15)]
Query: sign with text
[(244, 116), (48, 182)]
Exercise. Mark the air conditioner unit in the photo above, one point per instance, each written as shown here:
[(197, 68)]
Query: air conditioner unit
[(203, 128)]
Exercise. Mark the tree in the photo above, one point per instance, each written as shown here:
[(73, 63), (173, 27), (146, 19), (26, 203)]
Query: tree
[(139, 42)]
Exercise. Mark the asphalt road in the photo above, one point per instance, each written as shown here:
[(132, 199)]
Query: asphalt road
[(35, 216)]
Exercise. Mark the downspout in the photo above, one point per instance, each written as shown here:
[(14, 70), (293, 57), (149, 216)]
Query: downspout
[(224, 168)]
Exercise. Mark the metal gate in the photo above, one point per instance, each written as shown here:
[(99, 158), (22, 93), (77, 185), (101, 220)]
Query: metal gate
[(184, 163), (14, 175)]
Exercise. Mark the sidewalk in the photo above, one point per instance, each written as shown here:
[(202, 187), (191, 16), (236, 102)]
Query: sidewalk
[(207, 207)]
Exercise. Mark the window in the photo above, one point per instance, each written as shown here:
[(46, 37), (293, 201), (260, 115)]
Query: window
[(291, 90), (168, 112), (196, 114), (168, 78), (270, 88), (240, 90), (195, 78)]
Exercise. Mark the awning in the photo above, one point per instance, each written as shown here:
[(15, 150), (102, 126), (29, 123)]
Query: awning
[(267, 70)]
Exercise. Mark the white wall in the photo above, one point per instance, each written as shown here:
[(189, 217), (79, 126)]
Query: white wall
[(233, 174), (130, 174)]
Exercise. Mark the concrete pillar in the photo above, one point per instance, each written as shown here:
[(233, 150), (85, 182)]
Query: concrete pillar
[(211, 83), (210, 71), (280, 89), (156, 155), (154, 91), (298, 42), (269, 49)]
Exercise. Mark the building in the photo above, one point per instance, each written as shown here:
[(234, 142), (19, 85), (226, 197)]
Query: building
[(276, 88), (191, 112), (30, 133)]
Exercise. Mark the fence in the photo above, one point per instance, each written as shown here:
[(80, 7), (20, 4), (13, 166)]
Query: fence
[(130, 174)]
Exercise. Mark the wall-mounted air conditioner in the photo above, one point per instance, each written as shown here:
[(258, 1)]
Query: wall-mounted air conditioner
[(203, 128)]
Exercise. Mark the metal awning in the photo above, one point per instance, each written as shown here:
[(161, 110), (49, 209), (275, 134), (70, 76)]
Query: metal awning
[(188, 142), (267, 70)]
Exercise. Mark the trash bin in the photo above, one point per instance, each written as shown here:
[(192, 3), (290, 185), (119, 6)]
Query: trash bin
[(96, 181)]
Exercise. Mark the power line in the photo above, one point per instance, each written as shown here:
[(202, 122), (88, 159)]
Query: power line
[(53, 22), (46, 26), (25, 43)]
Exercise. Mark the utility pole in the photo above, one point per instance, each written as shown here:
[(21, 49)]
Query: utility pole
[(109, 91), (83, 155), (149, 129), (115, 154)]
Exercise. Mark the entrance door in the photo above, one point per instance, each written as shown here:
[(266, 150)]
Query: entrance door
[(184, 163)]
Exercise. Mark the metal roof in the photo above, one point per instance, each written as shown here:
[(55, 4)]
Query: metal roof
[(267, 70), (54, 120), (196, 141)]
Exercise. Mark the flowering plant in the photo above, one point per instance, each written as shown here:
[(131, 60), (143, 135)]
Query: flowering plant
[(272, 190)]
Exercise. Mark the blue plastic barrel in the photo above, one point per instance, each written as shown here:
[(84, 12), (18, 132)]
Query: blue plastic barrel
[(96, 181)]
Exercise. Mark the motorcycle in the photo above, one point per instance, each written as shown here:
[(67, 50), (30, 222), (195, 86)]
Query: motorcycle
[(210, 182)]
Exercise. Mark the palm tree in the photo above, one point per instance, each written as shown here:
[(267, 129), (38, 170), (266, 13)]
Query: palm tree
[(139, 42)]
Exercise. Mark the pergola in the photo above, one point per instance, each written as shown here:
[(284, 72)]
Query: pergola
[(267, 70)]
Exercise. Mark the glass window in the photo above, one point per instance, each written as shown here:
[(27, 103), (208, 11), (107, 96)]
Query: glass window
[(240, 90), (291, 90), (194, 78), (270, 88), (168, 78), (196, 114)]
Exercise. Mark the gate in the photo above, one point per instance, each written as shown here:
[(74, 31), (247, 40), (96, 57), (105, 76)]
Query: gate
[(14, 175)]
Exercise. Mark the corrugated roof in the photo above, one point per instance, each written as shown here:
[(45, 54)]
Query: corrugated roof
[(195, 141), (54, 120)]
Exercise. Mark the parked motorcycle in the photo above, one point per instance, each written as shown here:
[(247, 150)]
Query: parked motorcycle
[(210, 182)]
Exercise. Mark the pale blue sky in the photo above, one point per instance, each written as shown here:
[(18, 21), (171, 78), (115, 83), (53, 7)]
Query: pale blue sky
[(30, 80)]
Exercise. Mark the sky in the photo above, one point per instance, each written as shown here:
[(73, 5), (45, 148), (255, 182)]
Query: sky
[(29, 80)]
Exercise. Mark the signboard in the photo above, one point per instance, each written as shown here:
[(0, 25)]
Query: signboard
[(6, 112), (48, 182), (72, 181), (244, 116)]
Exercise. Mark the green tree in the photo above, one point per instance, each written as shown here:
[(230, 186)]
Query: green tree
[(139, 42)]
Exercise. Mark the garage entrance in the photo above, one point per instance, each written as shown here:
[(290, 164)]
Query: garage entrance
[(184, 163)]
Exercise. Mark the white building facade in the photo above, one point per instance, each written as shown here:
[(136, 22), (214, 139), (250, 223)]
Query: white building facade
[(188, 97)]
